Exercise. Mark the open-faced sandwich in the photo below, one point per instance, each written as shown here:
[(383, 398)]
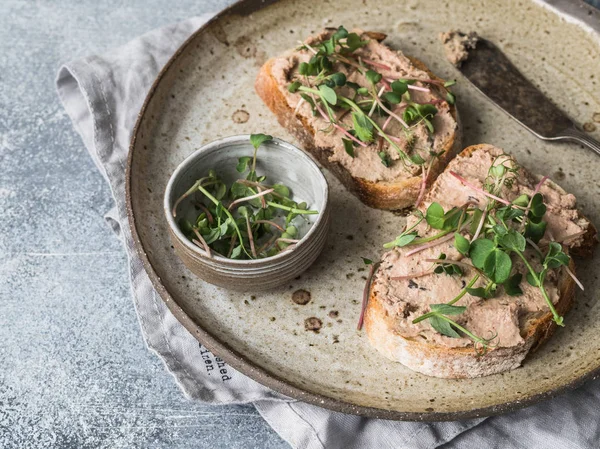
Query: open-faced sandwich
[(379, 120), (482, 274)]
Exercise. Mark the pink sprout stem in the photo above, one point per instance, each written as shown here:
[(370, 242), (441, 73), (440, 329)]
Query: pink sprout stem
[(206, 211), (534, 245), (411, 276), (250, 237), (233, 240), (477, 189), (425, 174), (288, 240), (376, 64), (392, 114), (421, 89), (272, 223), (201, 242), (263, 202), (365, 300), (248, 198), (389, 119), (570, 273), (430, 245), (339, 128), (267, 245), (480, 226)]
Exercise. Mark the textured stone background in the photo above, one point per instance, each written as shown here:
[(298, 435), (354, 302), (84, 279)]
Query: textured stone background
[(74, 371)]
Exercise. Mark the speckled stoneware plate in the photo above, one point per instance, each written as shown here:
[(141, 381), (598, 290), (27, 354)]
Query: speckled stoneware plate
[(206, 92)]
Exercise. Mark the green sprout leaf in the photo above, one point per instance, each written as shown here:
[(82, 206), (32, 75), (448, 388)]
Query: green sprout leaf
[(338, 78), (328, 94), (461, 244), (385, 159), (401, 240), (535, 231), (244, 211), (220, 191), (372, 76), (480, 250), (258, 139), (362, 127), (353, 42), (513, 241), (446, 309), (435, 216), (538, 208), (497, 266), (367, 261), (348, 147), (304, 69), (399, 87), (392, 97), (293, 87), (555, 256), (341, 33), (243, 163), (417, 159), (512, 285), (521, 200), (282, 190), (479, 292), (449, 268), (237, 252), (533, 281), (443, 327)]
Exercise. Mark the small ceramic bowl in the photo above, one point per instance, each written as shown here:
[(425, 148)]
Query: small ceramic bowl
[(280, 162)]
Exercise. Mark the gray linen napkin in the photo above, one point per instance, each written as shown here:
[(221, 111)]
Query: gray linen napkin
[(102, 95)]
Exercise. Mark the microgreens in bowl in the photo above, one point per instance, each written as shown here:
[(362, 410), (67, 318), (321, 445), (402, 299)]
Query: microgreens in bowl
[(490, 240), (323, 83), (248, 219)]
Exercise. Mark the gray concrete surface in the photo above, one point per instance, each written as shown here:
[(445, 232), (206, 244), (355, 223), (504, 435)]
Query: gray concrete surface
[(74, 370)]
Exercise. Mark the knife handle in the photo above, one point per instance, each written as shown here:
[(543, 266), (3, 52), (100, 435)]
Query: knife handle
[(579, 136)]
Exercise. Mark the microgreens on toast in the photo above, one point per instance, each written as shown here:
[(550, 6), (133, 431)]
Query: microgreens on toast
[(500, 243), (323, 82)]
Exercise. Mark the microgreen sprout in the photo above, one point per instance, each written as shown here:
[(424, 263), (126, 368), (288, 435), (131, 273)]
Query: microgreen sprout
[(246, 220)]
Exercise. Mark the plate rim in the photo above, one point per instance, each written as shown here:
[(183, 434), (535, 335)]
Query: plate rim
[(585, 15)]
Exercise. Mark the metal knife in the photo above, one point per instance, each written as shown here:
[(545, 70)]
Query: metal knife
[(494, 75)]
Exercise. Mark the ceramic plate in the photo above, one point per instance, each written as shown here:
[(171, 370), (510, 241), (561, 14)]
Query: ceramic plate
[(206, 92)]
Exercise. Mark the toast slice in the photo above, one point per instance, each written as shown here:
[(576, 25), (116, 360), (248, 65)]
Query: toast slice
[(375, 172), (521, 323)]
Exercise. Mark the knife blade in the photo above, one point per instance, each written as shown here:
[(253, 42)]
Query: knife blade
[(492, 73)]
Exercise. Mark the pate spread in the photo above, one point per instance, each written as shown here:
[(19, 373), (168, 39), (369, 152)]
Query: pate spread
[(458, 44), (366, 163), (505, 316)]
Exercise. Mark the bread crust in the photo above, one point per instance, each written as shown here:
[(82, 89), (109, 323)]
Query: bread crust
[(442, 361), (379, 195)]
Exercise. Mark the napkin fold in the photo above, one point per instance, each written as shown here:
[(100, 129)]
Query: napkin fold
[(103, 95)]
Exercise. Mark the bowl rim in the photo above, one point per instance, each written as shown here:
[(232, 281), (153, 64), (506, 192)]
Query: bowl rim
[(218, 145)]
